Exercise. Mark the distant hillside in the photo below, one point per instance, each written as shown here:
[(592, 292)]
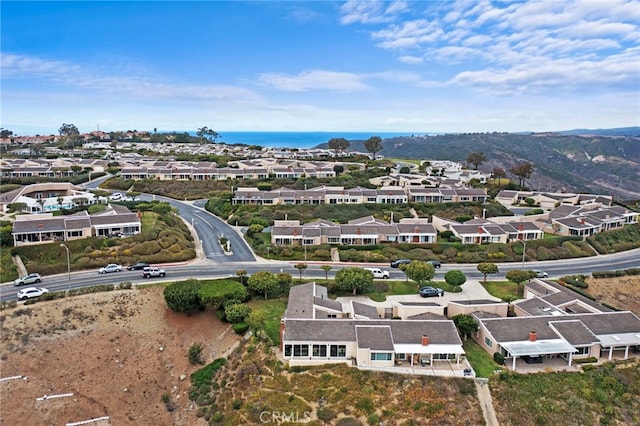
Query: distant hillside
[(572, 163), (620, 131)]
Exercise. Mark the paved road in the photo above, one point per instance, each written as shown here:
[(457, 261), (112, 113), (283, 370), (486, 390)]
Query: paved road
[(217, 264)]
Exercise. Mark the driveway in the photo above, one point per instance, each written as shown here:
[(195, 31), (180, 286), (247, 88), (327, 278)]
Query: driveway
[(471, 290)]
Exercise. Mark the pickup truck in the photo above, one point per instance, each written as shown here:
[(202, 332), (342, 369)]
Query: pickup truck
[(153, 272)]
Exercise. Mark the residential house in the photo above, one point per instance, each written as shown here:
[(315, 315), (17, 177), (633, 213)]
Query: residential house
[(555, 322), (46, 228), (364, 341)]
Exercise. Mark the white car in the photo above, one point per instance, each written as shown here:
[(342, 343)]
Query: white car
[(112, 267), (28, 279), (116, 196), (378, 273), (31, 292)]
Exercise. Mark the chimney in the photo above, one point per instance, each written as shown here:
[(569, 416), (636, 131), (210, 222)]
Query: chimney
[(520, 227), (582, 221), (480, 229), (533, 336), (425, 340)]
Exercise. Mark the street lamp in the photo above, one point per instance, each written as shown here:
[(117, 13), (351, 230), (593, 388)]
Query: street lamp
[(68, 265)]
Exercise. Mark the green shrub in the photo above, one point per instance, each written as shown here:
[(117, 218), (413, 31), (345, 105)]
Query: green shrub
[(204, 375), (217, 417), (195, 354), (183, 296), (125, 285), (373, 419), (237, 403), (326, 414), (585, 360), (236, 313), (240, 327), (498, 358)]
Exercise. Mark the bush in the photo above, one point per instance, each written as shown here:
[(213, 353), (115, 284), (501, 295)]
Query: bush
[(240, 327), (237, 313), (183, 296), (237, 403), (326, 414), (195, 354), (498, 358)]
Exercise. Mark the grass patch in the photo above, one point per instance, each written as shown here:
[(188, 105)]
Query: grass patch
[(602, 395), (8, 270), (265, 315), (504, 290), (480, 360)]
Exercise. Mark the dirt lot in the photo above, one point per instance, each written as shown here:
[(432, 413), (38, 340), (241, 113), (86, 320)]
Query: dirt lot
[(117, 352), (622, 293)]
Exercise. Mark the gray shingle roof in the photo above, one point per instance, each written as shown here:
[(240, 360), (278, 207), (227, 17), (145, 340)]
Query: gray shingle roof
[(574, 332), (364, 310), (374, 337)]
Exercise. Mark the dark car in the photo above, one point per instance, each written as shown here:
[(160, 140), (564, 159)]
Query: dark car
[(431, 292), (397, 263), (138, 266), (435, 263)]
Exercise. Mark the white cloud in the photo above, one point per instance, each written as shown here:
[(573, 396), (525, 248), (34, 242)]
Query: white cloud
[(314, 80), (409, 59), (370, 11)]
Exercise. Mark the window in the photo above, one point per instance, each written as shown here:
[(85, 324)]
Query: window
[(401, 356), (585, 350), (488, 342), (296, 350), (319, 350), (338, 351), (300, 350), (380, 356)]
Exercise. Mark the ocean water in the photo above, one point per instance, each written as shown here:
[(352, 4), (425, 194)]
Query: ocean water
[(299, 139)]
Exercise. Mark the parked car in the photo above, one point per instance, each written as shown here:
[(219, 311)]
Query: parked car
[(435, 263), (541, 274), (31, 292), (378, 273), (397, 263), (153, 272), (431, 291), (137, 266), (116, 196), (112, 267), (28, 279)]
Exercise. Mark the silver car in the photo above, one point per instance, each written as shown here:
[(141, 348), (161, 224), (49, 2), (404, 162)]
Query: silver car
[(28, 279), (112, 267)]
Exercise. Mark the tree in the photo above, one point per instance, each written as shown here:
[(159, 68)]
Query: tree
[(284, 281), (301, 268), (263, 282), (523, 171), (207, 134), (5, 133), (476, 159), (498, 172), (373, 145), (455, 277), (338, 168), (237, 312), (69, 133), (487, 268), (183, 297), (338, 145), (161, 208), (465, 324), (241, 273), (353, 279), (519, 276), (326, 269), (419, 271)]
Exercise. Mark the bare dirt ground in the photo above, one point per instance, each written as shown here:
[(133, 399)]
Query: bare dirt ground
[(116, 352), (621, 292)]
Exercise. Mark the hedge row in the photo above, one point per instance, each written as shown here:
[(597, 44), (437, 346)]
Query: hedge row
[(619, 273)]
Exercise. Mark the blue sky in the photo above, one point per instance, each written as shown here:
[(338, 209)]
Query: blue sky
[(405, 66)]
